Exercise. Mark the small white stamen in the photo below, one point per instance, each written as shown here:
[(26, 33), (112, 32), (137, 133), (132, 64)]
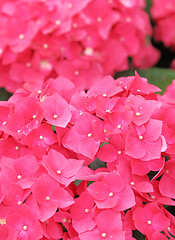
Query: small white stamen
[(38, 21), (19, 177), (39, 91), (64, 219), (41, 137), (4, 123), (99, 19), (19, 203), (1, 50), (34, 116), (47, 198), (45, 46), (75, 25), (132, 183), (89, 135), (21, 36), (141, 137), (122, 39), (128, 19), (70, 5), (55, 116), (105, 130), (108, 111), (25, 228), (103, 235), (152, 196), (104, 95), (166, 171), (58, 22), (119, 126), (168, 228), (59, 172), (111, 194), (138, 90), (149, 222), (2, 221), (76, 73), (19, 131), (137, 114), (88, 51), (28, 64), (17, 148), (86, 210), (119, 152)]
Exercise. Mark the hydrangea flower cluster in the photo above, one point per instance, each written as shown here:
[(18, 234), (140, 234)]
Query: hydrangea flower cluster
[(79, 40), (163, 14), (80, 165)]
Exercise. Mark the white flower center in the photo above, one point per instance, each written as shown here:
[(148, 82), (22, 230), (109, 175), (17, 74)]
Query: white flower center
[(25, 228)]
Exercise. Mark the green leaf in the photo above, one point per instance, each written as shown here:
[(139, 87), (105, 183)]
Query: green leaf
[(161, 77), (77, 182), (90, 182), (104, 143), (4, 95), (148, 5), (172, 235), (53, 128), (97, 163), (138, 235)]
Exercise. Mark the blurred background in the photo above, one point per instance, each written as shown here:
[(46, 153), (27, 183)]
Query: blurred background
[(162, 73)]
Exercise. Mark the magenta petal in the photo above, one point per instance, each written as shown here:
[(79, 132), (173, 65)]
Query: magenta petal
[(109, 220), (160, 222), (153, 130), (139, 219), (144, 187), (107, 153), (54, 229), (153, 150), (135, 147), (109, 202), (62, 198), (56, 110), (98, 190), (77, 142), (167, 186), (158, 236), (86, 223), (129, 197), (47, 210), (55, 161), (92, 235), (73, 167)]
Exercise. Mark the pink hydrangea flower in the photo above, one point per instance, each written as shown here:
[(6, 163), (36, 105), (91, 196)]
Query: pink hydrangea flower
[(150, 219), (83, 41), (101, 169), (50, 196)]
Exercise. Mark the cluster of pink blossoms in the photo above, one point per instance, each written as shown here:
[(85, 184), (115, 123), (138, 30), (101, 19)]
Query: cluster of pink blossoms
[(93, 165), (163, 13), (82, 40)]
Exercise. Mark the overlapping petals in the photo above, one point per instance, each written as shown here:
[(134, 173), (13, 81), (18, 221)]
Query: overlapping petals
[(94, 164)]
